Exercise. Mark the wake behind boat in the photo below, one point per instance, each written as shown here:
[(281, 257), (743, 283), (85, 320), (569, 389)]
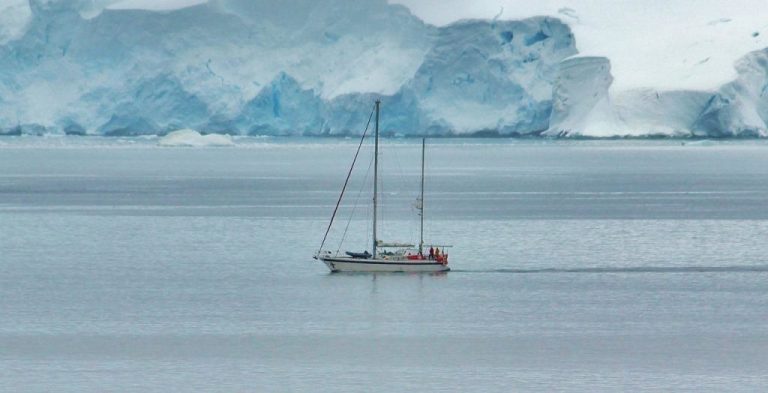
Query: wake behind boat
[(385, 257)]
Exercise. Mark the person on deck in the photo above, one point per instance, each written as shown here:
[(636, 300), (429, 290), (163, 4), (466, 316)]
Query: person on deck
[(437, 252), (431, 253)]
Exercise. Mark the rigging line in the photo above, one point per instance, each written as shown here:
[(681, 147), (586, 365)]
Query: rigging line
[(354, 208), (344, 188), (403, 186)]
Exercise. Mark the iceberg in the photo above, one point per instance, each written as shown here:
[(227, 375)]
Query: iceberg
[(192, 138)]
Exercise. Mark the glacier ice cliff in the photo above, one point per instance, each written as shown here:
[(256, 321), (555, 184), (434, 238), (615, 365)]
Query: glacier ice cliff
[(584, 106), (261, 67), (303, 67)]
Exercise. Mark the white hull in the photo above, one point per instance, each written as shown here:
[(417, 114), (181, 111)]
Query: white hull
[(354, 265)]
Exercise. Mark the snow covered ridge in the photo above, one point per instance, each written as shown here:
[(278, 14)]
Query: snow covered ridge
[(313, 67)]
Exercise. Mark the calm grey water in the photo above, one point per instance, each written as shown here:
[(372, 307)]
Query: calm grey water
[(578, 266)]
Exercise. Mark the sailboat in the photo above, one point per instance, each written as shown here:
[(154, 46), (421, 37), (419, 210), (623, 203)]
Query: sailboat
[(386, 257)]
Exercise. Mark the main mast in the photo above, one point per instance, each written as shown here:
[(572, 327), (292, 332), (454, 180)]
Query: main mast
[(421, 198), (376, 177)]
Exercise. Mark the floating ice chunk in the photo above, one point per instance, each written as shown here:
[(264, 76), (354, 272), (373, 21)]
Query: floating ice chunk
[(192, 138), (705, 142)]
